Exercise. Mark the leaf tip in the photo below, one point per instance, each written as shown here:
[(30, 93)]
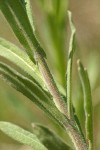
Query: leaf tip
[(85, 69), (33, 125), (69, 13), (71, 21), (78, 64)]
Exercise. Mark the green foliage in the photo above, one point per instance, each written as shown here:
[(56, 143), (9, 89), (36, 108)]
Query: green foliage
[(21, 135), (49, 138), (30, 90), (87, 103), (28, 73), (55, 12), (14, 54), (69, 66), (27, 5), (20, 25)]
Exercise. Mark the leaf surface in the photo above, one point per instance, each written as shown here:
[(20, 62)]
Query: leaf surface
[(69, 66), (31, 91), (27, 5), (20, 24), (49, 138), (87, 103), (21, 135), (14, 54)]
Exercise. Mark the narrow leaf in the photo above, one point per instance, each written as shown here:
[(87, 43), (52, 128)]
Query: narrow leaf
[(17, 56), (21, 135), (87, 103), (27, 5), (49, 138), (24, 82), (14, 54), (31, 91), (19, 22), (69, 65), (77, 122)]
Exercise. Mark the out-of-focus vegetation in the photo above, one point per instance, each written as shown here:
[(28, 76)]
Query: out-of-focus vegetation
[(16, 108)]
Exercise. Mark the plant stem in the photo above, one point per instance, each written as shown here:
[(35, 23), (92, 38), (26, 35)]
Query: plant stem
[(73, 132), (77, 139), (50, 83)]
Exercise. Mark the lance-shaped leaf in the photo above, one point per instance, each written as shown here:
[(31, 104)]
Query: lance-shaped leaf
[(14, 54), (87, 103), (27, 5), (17, 56), (21, 135), (49, 138), (27, 84), (33, 92), (19, 22), (69, 66)]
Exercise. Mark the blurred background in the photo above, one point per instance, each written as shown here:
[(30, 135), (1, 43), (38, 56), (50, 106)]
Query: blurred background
[(52, 27)]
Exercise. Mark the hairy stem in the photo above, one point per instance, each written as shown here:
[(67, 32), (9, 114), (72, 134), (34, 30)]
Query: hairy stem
[(73, 132), (76, 138), (50, 83)]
